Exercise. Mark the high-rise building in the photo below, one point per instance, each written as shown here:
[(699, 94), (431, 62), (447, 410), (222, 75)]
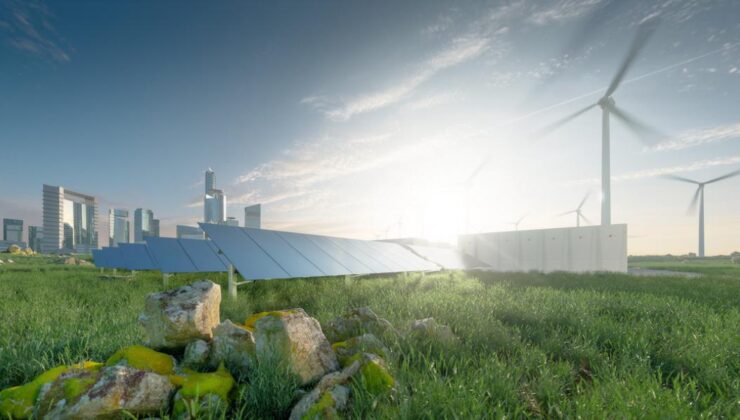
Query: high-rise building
[(118, 227), (189, 232), (70, 221), (231, 221), (35, 235), (143, 224), (253, 216), (12, 230), (214, 201), (155, 228), (210, 180)]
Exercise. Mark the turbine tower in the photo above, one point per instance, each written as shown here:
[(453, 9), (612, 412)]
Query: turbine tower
[(578, 212), (699, 197), (608, 108)]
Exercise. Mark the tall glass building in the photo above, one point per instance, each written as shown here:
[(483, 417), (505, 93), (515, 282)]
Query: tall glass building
[(118, 226), (13, 230), (69, 221), (253, 216), (35, 235), (143, 224), (155, 228), (210, 180), (214, 201)]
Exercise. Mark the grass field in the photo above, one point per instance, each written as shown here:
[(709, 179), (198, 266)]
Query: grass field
[(557, 345)]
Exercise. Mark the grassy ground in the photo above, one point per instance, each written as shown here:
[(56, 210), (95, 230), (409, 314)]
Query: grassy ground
[(558, 345)]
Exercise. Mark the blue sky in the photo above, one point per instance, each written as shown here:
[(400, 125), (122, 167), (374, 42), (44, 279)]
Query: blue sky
[(366, 119)]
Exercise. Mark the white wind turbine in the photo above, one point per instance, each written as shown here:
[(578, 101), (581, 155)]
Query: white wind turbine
[(516, 224), (578, 212), (699, 197), (609, 108)]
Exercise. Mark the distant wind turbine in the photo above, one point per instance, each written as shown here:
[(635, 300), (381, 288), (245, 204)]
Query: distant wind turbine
[(516, 224), (699, 197), (578, 212), (609, 107)]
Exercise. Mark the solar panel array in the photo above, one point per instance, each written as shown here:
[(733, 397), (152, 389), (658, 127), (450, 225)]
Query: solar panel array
[(265, 254), (108, 258), (186, 255), (137, 257), (448, 258)]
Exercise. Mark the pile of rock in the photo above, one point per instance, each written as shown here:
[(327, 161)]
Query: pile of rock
[(149, 381), (77, 261)]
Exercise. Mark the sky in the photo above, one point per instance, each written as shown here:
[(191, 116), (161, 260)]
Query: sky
[(374, 119)]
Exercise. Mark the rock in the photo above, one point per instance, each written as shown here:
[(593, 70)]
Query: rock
[(327, 397), (1, 262), (366, 343), (295, 339), (70, 261), (85, 263), (14, 249), (108, 393), (196, 354), (176, 317), (356, 322), (10, 261), (143, 358), (374, 374), (735, 260), (429, 329), (234, 346), (202, 394)]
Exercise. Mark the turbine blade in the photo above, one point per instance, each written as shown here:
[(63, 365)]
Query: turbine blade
[(477, 169), (720, 178), (692, 206), (561, 122), (586, 219), (644, 132), (520, 219), (680, 178), (567, 212), (584, 200), (644, 32)]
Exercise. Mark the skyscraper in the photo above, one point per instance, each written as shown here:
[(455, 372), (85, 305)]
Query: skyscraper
[(214, 201), (143, 224), (155, 228), (70, 221), (35, 235), (13, 230), (118, 227), (253, 216)]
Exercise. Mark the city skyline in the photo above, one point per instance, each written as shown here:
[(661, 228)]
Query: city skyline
[(354, 131)]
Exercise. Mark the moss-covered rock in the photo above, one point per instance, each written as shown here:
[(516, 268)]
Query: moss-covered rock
[(429, 330), (143, 358), (201, 392), (374, 374), (366, 343), (329, 404), (356, 322), (234, 346), (328, 397)]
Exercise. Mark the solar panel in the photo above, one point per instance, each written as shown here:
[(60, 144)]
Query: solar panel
[(137, 257), (448, 258), (289, 259), (170, 255), (264, 254), (203, 256), (252, 261), (114, 258), (99, 258)]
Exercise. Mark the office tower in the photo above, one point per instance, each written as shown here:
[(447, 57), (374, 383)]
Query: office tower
[(189, 232), (210, 180), (231, 221), (118, 227), (69, 221), (214, 201), (35, 235), (155, 228), (253, 216), (143, 224), (12, 230)]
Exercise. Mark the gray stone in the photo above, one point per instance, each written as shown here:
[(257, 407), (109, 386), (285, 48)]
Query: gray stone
[(428, 328), (294, 339), (174, 318), (234, 345), (357, 322), (116, 389), (196, 354), (332, 383)]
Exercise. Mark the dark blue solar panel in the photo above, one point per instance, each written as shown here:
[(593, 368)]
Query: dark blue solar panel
[(114, 258), (137, 257), (99, 258), (368, 256), (324, 260), (203, 255), (289, 259), (170, 255)]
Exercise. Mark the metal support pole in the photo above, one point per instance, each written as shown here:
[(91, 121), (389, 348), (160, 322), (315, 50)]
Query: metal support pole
[(606, 203), (166, 279), (232, 283)]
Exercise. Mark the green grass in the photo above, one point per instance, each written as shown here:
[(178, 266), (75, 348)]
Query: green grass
[(557, 345)]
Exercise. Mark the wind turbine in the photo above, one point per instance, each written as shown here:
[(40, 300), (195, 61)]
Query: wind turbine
[(516, 224), (699, 197), (608, 107), (578, 212)]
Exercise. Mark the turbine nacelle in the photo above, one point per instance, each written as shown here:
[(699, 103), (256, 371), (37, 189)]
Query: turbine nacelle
[(606, 102)]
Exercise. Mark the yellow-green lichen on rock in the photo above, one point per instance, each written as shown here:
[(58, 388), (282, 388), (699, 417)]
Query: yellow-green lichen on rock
[(366, 343), (323, 408), (197, 387), (143, 358), (249, 324), (374, 374), (18, 402)]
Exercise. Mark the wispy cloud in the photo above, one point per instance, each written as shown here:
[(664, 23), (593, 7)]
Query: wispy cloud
[(28, 27), (694, 138), (666, 170), (562, 10), (461, 50), (432, 101)]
